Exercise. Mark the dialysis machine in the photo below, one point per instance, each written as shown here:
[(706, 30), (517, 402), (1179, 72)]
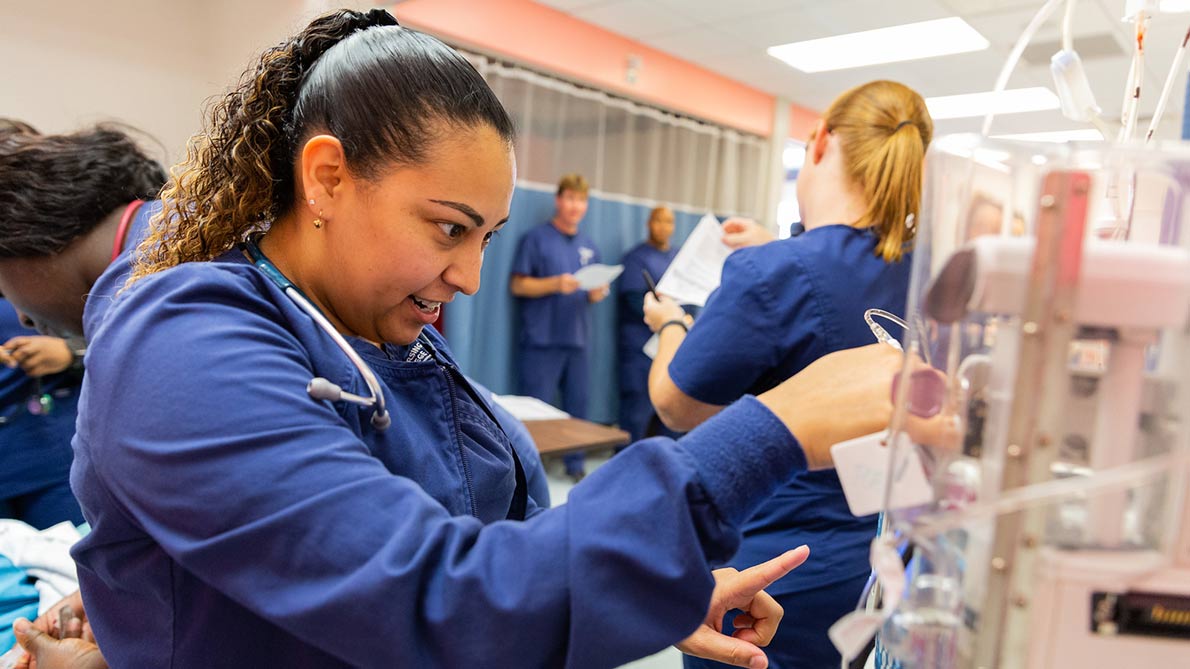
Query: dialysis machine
[(1050, 296)]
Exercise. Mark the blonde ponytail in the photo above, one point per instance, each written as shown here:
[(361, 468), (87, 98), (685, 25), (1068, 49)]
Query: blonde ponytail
[(884, 128)]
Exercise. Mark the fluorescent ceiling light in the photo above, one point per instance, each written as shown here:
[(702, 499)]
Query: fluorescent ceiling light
[(911, 41), (1084, 135), (1006, 102)]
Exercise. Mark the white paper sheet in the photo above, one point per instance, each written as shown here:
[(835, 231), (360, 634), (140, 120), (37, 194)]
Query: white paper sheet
[(529, 408), (697, 269), (595, 276)]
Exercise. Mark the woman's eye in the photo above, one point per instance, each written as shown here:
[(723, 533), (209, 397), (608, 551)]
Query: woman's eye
[(453, 230)]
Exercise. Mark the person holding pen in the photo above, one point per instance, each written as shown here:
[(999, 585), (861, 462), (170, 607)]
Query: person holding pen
[(644, 263)]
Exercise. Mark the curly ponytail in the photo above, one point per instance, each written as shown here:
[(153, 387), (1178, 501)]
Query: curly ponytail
[(358, 76), (884, 129)]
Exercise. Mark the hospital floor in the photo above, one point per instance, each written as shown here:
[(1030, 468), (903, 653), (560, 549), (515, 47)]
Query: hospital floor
[(560, 486)]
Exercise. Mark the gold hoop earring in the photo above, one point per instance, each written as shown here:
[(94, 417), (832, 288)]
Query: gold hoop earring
[(318, 221)]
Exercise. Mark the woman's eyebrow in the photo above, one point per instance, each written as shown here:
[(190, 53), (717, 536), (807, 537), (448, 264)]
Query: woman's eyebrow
[(463, 209)]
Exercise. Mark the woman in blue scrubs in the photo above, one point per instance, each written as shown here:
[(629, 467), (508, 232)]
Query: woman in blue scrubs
[(52, 188), (64, 251), (785, 304), (653, 256), (237, 518)]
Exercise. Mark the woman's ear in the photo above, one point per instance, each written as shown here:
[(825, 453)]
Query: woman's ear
[(818, 141), (322, 174)]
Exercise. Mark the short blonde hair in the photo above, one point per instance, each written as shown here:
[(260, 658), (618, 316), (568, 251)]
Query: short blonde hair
[(575, 182)]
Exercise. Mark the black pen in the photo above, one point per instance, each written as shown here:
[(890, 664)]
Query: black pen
[(650, 283)]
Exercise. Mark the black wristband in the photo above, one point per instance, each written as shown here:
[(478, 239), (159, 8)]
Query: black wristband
[(76, 359), (677, 321)]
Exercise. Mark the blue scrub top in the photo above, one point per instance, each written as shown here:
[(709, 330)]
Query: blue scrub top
[(34, 449), (780, 307), (557, 320), (235, 517), (632, 288)]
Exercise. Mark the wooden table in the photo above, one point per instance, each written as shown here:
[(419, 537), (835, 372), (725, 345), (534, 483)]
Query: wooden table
[(573, 434)]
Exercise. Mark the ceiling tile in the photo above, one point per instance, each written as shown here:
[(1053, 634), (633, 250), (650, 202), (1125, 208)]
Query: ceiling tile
[(569, 6), (698, 42), (761, 31), (716, 11), (847, 16), (635, 19), (731, 37)]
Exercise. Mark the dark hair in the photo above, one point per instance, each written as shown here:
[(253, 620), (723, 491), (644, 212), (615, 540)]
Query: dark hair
[(57, 188), (12, 125), (384, 91)]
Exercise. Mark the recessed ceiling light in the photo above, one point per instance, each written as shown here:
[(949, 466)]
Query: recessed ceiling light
[(1083, 135), (911, 41), (1011, 101)]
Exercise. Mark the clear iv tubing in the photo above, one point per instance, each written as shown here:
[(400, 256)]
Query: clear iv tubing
[(884, 337), (1038, 494), (1015, 56), (1163, 99), (1068, 26), (1131, 105), (880, 333)]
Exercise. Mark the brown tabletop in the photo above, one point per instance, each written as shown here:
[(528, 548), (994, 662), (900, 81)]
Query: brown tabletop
[(573, 434)]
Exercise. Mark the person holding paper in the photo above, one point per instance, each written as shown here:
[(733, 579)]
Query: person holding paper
[(784, 304), (554, 309), (653, 256)]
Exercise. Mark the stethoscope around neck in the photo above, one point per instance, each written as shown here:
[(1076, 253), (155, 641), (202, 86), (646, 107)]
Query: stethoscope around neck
[(322, 389), (319, 387)]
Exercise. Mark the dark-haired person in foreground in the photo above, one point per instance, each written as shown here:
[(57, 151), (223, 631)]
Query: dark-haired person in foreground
[(357, 177), (70, 205), (53, 190)]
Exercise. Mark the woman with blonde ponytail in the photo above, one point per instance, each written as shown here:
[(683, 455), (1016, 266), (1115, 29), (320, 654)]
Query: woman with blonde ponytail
[(247, 513), (783, 305)]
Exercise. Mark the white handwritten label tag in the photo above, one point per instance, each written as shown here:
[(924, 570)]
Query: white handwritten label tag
[(862, 464)]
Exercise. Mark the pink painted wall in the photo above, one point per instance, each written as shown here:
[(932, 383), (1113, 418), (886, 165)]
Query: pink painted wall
[(552, 41), (801, 122)]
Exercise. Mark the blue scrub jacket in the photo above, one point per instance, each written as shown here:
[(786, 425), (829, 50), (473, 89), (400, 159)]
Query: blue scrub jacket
[(236, 520)]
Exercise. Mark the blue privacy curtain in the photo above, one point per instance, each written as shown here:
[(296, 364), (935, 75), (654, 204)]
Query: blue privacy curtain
[(634, 157)]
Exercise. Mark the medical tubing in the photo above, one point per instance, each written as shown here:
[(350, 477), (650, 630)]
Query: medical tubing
[(879, 332), (1014, 57), (1135, 78), (1068, 26), (377, 401), (1021, 499), (1163, 99)]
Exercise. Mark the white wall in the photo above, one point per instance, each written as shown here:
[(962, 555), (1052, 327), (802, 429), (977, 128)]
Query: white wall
[(150, 63)]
